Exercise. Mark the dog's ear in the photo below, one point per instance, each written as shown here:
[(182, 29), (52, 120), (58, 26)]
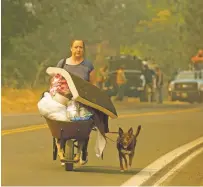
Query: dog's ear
[(130, 131), (120, 131)]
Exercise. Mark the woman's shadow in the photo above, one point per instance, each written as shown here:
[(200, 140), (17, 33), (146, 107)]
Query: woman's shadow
[(107, 170)]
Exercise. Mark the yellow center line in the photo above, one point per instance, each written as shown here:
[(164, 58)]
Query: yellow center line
[(25, 129), (160, 113), (43, 126)]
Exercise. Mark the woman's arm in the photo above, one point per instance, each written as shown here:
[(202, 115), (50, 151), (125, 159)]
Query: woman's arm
[(93, 77)]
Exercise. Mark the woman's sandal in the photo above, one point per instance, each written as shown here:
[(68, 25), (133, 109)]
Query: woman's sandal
[(83, 159), (77, 157)]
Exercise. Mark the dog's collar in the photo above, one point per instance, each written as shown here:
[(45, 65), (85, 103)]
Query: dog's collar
[(125, 151)]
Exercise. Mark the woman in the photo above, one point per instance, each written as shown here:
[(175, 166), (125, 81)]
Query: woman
[(79, 66)]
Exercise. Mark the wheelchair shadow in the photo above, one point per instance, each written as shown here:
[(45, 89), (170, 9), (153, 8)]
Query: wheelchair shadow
[(107, 170)]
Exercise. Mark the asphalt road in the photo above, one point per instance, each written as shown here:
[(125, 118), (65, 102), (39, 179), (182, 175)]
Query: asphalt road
[(27, 156), (11, 121), (189, 175)]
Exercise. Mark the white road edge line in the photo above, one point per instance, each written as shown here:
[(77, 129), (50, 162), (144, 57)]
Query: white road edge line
[(178, 166), (160, 163)]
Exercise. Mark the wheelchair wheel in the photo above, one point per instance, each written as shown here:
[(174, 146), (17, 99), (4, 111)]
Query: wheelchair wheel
[(69, 166), (69, 155)]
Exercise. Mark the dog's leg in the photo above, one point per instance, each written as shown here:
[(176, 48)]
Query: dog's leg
[(131, 158), (126, 162), (121, 162)]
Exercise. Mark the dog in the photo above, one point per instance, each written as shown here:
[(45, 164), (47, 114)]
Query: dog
[(126, 144)]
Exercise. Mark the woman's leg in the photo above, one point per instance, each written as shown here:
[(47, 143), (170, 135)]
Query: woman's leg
[(84, 151), (79, 150), (82, 148), (106, 123), (85, 142), (59, 149)]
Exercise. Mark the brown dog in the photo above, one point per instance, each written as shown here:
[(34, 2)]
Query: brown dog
[(126, 143)]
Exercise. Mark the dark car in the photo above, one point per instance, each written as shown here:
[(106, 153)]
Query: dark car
[(133, 71), (187, 87), (128, 62), (133, 87)]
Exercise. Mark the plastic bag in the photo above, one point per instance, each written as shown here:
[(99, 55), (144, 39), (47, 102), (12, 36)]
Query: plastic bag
[(84, 113), (77, 112), (73, 110), (52, 109), (100, 143)]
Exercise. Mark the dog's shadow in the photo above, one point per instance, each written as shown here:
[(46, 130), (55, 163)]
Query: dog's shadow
[(107, 170)]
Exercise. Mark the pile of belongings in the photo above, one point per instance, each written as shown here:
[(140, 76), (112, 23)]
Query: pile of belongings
[(58, 105)]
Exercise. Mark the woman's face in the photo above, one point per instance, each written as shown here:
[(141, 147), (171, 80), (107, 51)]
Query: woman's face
[(77, 48)]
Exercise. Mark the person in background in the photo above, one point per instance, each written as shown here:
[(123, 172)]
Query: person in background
[(108, 87), (121, 82), (149, 78), (198, 60), (198, 63), (142, 88), (159, 85), (102, 77)]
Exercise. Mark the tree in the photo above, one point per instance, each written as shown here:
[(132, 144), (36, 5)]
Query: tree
[(16, 22), (167, 31)]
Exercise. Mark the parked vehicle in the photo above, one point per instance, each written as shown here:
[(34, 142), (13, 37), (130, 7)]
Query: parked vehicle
[(187, 86)]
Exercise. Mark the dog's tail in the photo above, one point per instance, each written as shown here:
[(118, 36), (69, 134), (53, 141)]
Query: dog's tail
[(138, 131)]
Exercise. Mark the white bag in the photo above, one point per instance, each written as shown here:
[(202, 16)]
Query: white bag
[(100, 144), (52, 109)]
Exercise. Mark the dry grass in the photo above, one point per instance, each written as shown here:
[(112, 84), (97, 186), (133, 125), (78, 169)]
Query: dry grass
[(20, 100)]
